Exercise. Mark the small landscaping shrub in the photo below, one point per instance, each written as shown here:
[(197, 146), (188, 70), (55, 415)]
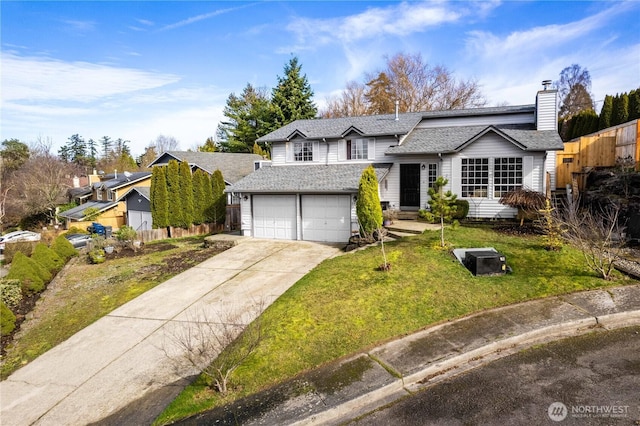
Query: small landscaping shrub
[(63, 248), (48, 258), (7, 319), (462, 209), (11, 292), (126, 235), (427, 216), (96, 256), (31, 275)]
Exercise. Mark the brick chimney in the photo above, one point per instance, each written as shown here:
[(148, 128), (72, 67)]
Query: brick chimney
[(547, 108)]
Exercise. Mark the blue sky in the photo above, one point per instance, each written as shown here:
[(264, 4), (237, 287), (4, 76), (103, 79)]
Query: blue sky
[(136, 70)]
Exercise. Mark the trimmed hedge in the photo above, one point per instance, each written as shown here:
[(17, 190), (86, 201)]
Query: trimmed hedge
[(63, 248), (7, 319), (48, 258), (30, 273), (462, 209)]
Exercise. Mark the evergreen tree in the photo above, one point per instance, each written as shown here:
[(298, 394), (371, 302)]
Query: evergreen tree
[(209, 146), (106, 144), (199, 200), (249, 116), (159, 198), (173, 190), (368, 206), (219, 205), (207, 198), (605, 113), (634, 104), (77, 149), (620, 109), (186, 194), (443, 204), (292, 97), (92, 150)]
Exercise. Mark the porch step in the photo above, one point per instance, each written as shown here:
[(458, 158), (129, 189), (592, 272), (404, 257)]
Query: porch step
[(407, 215), (400, 234)]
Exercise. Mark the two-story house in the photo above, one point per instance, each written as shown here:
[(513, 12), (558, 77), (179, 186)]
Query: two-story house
[(309, 191), (106, 198)]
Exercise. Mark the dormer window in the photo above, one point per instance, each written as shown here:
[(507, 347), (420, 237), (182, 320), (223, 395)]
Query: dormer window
[(109, 195), (99, 194), (303, 151), (357, 149)]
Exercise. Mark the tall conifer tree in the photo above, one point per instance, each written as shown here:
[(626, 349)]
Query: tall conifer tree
[(219, 197), (186, 194), (159, 198), (292, 98), (173, 189), (368, 206)]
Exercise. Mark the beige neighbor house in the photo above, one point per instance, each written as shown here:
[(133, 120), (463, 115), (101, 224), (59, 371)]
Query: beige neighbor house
[(105, 193), (309, 190)]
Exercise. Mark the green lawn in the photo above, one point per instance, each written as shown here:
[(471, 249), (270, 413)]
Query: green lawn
[(346, 304)]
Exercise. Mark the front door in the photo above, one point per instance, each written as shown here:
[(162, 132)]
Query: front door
[(409, 186)]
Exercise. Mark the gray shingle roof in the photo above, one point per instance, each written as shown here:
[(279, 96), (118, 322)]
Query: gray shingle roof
[(336, 128), (112, 182), (234, 166), (329, 178), (378, 125), (76, 213), (453, 139)]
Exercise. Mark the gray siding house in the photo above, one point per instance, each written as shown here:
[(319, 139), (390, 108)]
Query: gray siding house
[(309, 190)]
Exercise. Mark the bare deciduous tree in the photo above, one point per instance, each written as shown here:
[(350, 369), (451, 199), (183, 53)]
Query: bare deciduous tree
[(416, 85), (350, 103), (216, 344), (574, 91), (597, 234)]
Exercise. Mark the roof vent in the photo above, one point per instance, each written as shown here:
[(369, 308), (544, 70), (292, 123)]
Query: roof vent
[(546, 84)]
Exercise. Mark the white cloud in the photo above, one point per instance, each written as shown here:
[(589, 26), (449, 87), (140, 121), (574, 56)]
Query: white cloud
[(40, 79), (512, 67), (202, 17), (397, 20)]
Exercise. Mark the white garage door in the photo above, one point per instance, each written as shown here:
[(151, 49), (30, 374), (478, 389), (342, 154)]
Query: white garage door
[(139, 220), (274, 216), (326, 218)]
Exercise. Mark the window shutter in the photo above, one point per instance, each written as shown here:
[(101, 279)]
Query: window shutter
[(289, 149), (342, 150), (371, 151), (527, 173), (455, 181), (316, 151)]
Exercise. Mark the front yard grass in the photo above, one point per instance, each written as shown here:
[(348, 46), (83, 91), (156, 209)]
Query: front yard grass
[(346, 305)]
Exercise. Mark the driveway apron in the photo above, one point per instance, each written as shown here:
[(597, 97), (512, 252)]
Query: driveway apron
[(122, 357)]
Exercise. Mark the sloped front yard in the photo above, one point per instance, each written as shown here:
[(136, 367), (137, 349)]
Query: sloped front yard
[(346, 304)]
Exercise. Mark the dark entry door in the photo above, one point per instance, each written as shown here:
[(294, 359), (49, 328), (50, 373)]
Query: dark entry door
[(410, 186)]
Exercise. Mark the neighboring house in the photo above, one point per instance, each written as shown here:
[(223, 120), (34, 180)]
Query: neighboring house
[(234, 166), (106, 197), (138, 202), (309, 191)]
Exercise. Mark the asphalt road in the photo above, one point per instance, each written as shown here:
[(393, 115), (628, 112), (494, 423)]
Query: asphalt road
[(588, 380)]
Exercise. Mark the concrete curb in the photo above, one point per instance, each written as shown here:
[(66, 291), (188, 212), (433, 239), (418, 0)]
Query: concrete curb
[(464, 362)]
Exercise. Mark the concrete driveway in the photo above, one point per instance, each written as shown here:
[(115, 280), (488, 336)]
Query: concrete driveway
[(118, 365)]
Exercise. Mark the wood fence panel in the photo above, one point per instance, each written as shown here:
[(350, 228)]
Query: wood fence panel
[(163, 234)]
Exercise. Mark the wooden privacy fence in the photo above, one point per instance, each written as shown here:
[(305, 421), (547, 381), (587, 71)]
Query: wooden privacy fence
[(605, 148), (161, 234)]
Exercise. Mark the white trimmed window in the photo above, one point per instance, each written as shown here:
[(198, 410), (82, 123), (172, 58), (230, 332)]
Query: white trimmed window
[(475, 178), (507, 175), (432, 174), (358, 149), (109, 195), (303, 151)]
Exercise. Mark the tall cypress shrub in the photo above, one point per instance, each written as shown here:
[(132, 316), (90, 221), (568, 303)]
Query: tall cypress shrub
[(199, 202), (219, 197), (605, 113), (207, 198), (174, 201), (620, 110), (634, 104), (159, 198), (368, 206), (186, 194)]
